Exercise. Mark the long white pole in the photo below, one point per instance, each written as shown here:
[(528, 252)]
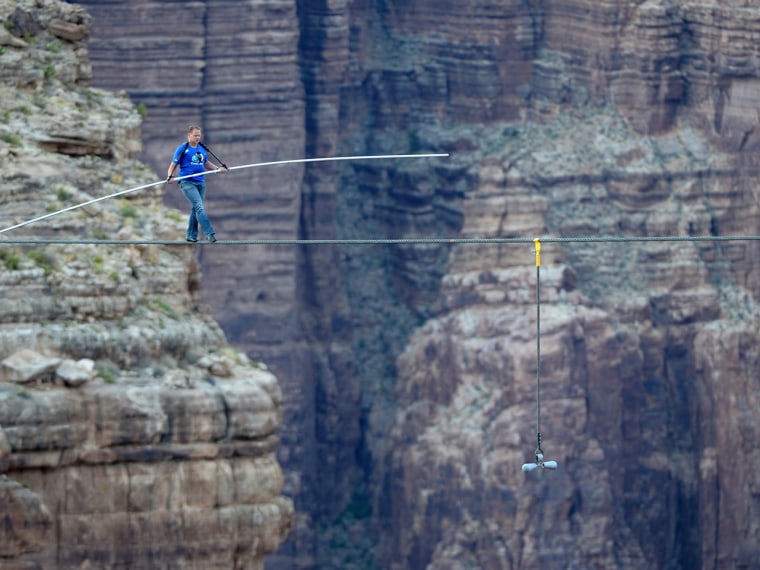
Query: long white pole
[(252, 165)]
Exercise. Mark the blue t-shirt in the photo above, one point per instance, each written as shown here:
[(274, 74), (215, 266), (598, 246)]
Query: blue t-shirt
[(191, 161)]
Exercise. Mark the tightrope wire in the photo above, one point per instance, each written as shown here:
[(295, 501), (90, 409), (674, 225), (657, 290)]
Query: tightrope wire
[(384, 241)]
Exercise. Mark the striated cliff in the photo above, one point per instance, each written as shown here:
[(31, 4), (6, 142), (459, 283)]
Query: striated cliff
[(636, 341), (131, 434), (408, 371)]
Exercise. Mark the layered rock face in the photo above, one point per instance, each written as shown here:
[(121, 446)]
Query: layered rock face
[(634, 400), (563, 118), (629, 383), (143, 474), (131, 434)]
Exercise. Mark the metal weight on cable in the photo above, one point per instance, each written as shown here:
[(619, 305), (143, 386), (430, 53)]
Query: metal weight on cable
[(540, 463)]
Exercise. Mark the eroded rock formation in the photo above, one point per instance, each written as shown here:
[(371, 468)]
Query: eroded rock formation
[(131, 433), (632, 388)]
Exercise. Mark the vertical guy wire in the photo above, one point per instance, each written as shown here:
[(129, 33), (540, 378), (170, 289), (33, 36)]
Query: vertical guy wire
[(537, 243)]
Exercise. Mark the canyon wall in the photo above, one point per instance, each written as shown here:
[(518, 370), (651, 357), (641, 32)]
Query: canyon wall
[(132, 435), (408, 370)]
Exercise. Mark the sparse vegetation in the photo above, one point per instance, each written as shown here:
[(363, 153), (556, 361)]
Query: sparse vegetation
[(42, 259), (166, 308), (107, 376), (11, 138), (39, 100), (63, 194), (128, 210), (11, 260), (142, 110), (49, 72)]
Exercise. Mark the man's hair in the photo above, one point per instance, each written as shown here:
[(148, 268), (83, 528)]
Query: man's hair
[(191, 128)]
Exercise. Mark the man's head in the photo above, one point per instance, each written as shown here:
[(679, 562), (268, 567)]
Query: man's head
[(194, 135)]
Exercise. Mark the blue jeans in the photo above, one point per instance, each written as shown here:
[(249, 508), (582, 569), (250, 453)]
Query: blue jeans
[(195, 192)]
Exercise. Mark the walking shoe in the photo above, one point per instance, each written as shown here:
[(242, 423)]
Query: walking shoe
[(211, 237), (191, 240)]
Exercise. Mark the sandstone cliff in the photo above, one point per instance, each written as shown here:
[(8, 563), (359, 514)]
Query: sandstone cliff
[(131, 434), (408, 371)]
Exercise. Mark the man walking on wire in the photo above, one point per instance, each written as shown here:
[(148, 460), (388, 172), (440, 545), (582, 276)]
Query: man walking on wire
[(192, 158)]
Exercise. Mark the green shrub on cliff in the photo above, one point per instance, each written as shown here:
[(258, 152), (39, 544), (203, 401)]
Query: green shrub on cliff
[(42, 259), (107, 376), (10, 259)]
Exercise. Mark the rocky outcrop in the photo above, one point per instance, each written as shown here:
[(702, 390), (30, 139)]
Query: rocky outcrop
[(131, 433), (26, 520), (566, 118), (180, 474)]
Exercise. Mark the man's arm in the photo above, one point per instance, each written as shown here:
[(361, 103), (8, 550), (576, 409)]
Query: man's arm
[(208, 165), (171, 171)]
